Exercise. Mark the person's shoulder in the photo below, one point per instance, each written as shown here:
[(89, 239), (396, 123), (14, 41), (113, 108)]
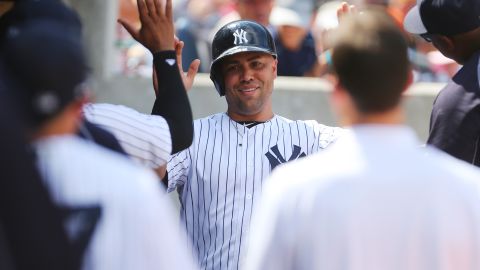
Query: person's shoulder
[(456, 168), (211, 118), (90, 166)]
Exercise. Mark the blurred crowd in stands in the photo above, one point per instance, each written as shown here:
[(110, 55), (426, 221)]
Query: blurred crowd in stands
[(300, 28)]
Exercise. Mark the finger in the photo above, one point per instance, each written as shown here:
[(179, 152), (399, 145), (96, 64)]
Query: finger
[(178, 51), (155, 80), (193, 69), (345, 8), (150, 7), (129, 27), (158, 6), (168, 10), (353, 9), (341, 10), (192, 72), (142, 10), (179, 47)]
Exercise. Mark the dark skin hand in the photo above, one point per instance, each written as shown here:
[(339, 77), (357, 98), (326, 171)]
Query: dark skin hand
[(156, 32)]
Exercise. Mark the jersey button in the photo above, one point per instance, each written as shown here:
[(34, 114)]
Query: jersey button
[(249, 196), (239, 145)]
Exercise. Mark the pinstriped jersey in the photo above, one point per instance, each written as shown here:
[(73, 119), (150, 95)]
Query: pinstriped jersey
[(146, 138), (219, 178)]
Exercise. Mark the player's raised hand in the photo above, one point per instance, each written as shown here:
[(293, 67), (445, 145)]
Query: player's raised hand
[(156, 32), (189, 76)]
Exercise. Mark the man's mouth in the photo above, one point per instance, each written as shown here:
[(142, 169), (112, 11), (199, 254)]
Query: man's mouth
[(249, 89)]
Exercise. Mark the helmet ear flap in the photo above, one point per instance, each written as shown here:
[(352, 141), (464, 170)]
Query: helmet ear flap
[(217, 78)]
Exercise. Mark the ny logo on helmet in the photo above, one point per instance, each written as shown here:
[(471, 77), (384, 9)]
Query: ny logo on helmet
[(240, 36)]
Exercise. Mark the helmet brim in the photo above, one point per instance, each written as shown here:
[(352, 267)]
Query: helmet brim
[(240, 49)]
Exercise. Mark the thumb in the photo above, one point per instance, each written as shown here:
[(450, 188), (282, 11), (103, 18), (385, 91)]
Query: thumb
[(129, 27)]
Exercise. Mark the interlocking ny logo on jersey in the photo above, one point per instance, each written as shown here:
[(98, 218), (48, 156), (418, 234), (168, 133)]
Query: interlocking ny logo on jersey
[(275, 157), (240, 36)]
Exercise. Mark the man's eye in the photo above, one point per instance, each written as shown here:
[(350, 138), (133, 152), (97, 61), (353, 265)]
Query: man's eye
[(232, 69), (257, 64)]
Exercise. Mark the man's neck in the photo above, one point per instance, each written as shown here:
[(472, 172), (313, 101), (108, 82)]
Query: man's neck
[(59, 125), (394, 116), (260, 117)]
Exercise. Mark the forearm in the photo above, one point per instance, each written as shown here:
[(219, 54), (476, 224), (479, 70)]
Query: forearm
[(172, 101)]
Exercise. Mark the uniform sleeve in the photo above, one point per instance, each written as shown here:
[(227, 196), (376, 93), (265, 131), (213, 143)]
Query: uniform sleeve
[(178, 169), (100, 136), (144, 137), (324, 135), (153, 238), (172, 102)]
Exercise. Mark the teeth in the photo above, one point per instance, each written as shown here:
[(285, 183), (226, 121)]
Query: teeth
[(248, 89)]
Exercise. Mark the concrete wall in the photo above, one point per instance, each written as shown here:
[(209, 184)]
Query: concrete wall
[(99, 23), (294, 98)]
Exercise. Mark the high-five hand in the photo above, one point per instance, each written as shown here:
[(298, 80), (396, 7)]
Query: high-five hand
[(156, 32)]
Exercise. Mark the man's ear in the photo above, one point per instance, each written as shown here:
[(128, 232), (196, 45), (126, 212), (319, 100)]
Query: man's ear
[(274, 66), (77, 105), (409, 81), (338, 93), (444, 44)]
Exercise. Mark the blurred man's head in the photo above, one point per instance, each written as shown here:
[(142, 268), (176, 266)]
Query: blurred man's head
[(370, 61), (452, 26), (28, 10), (46, 68), (41, 47), (255, 10)]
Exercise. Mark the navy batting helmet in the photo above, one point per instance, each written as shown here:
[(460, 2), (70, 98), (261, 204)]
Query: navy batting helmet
[(236, 37)]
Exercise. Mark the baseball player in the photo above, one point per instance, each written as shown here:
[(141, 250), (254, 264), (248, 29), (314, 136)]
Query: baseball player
[(116, 215), (379, 201), (219, 178), (31, 231), (453, 27)]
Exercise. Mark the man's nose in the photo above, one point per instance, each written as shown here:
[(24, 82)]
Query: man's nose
[(247, 74)]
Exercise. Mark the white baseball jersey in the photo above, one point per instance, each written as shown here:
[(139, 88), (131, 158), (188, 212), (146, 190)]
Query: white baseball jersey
[(144, 137), (375, 200), (118, 208), (220, 177)]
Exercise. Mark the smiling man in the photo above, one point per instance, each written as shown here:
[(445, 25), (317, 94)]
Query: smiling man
[(219, 178)]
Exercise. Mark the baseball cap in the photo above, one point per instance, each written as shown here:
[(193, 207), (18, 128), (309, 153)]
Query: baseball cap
[(27, 10), (444, 17), (46, 67), (285, 16)]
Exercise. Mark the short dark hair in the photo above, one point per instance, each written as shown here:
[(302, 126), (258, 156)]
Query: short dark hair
[(370, 59)]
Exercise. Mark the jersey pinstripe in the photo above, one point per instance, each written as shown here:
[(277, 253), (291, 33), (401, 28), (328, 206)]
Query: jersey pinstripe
[(146, 138), (220, 177)]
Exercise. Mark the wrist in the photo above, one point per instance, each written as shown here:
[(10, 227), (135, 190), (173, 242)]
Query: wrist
[(164, 54)]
